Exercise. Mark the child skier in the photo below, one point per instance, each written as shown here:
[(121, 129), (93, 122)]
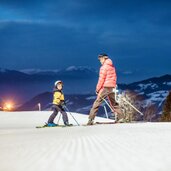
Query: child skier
[(58, 104)]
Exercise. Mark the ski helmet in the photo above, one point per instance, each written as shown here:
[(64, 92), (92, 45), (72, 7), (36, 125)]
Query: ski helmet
[(102, 55), (57, 82)]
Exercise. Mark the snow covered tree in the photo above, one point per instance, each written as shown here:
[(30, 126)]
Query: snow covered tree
[(136, 100), (166, 115), (150, 112)]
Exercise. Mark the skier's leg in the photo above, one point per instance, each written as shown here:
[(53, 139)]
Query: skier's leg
[(97, 103), (115, 106), (64, 117), (64, 114), (53, 115)]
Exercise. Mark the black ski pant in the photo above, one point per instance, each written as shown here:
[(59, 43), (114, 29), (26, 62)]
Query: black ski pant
[(57, 109)]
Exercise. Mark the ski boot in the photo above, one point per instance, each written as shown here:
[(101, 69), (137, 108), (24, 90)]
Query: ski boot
[(51, 125), (90, 122), (120, 120), (67, 124)]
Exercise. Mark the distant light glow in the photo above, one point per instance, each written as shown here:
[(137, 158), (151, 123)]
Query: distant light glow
[(8, 106)]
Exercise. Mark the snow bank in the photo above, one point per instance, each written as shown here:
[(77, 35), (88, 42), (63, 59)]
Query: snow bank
[(118, 147)]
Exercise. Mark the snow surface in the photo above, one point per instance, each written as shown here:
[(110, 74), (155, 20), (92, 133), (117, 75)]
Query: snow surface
[(118, 147), (169, 83), (37, 71), (91, 98), (158, 96), (145, 86), (71, 68)]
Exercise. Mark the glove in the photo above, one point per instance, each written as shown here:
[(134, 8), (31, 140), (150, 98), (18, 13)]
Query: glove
[(63, 103), (96, 92)]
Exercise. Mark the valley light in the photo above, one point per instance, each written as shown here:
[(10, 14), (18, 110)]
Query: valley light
[(8, 106)]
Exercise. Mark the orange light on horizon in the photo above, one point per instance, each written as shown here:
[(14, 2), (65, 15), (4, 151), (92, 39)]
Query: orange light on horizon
[(8, 106)]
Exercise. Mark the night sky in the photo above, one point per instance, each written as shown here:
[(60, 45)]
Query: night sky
[(55, 34)]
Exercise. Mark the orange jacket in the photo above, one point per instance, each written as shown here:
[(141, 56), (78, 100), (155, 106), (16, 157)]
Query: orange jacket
[(107, 76)]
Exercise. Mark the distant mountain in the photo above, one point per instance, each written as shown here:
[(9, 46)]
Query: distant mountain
[(75, 103), (10, 76), (157, 83), (154, 91), (26, 84), (27, 75), (39, 71), (57, 71), (78, 81)]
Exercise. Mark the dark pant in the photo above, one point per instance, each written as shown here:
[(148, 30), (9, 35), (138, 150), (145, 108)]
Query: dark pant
[(57, 109), (106, 92)]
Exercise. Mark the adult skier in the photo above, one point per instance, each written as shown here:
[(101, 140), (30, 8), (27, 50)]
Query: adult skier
[(104, 88)]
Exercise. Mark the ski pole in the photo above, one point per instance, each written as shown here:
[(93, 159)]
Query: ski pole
[(133, 107), (118, 98), (107, 103), (59, 118), (106, 112), (109, 107), (71, 115)]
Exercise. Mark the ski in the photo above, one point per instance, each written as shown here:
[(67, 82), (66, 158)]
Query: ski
[(88, 125), (60, 126), (98, 123), (113, 122), (106, 122)]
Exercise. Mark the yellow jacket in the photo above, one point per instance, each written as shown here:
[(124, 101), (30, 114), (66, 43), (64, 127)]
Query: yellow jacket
[(58, 97)]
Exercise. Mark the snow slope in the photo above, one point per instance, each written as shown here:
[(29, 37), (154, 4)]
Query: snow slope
[(118, 147)]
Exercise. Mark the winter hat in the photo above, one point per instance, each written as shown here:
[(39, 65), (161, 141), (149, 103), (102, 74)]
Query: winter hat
[(102, 55), (57, 82)]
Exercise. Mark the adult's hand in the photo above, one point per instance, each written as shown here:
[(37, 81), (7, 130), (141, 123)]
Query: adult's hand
[(97, 92)]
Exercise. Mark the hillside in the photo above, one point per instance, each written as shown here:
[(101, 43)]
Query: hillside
[(153, 91)]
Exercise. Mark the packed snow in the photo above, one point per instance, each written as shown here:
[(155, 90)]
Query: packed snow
[(116, 147)]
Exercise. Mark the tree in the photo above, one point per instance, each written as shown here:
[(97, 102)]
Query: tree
[(150, 112), (136, 100), (166, 115)]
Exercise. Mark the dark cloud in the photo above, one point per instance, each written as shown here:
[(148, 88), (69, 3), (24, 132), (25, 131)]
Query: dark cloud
[(21, 3), (49, 34), (48, 46)]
